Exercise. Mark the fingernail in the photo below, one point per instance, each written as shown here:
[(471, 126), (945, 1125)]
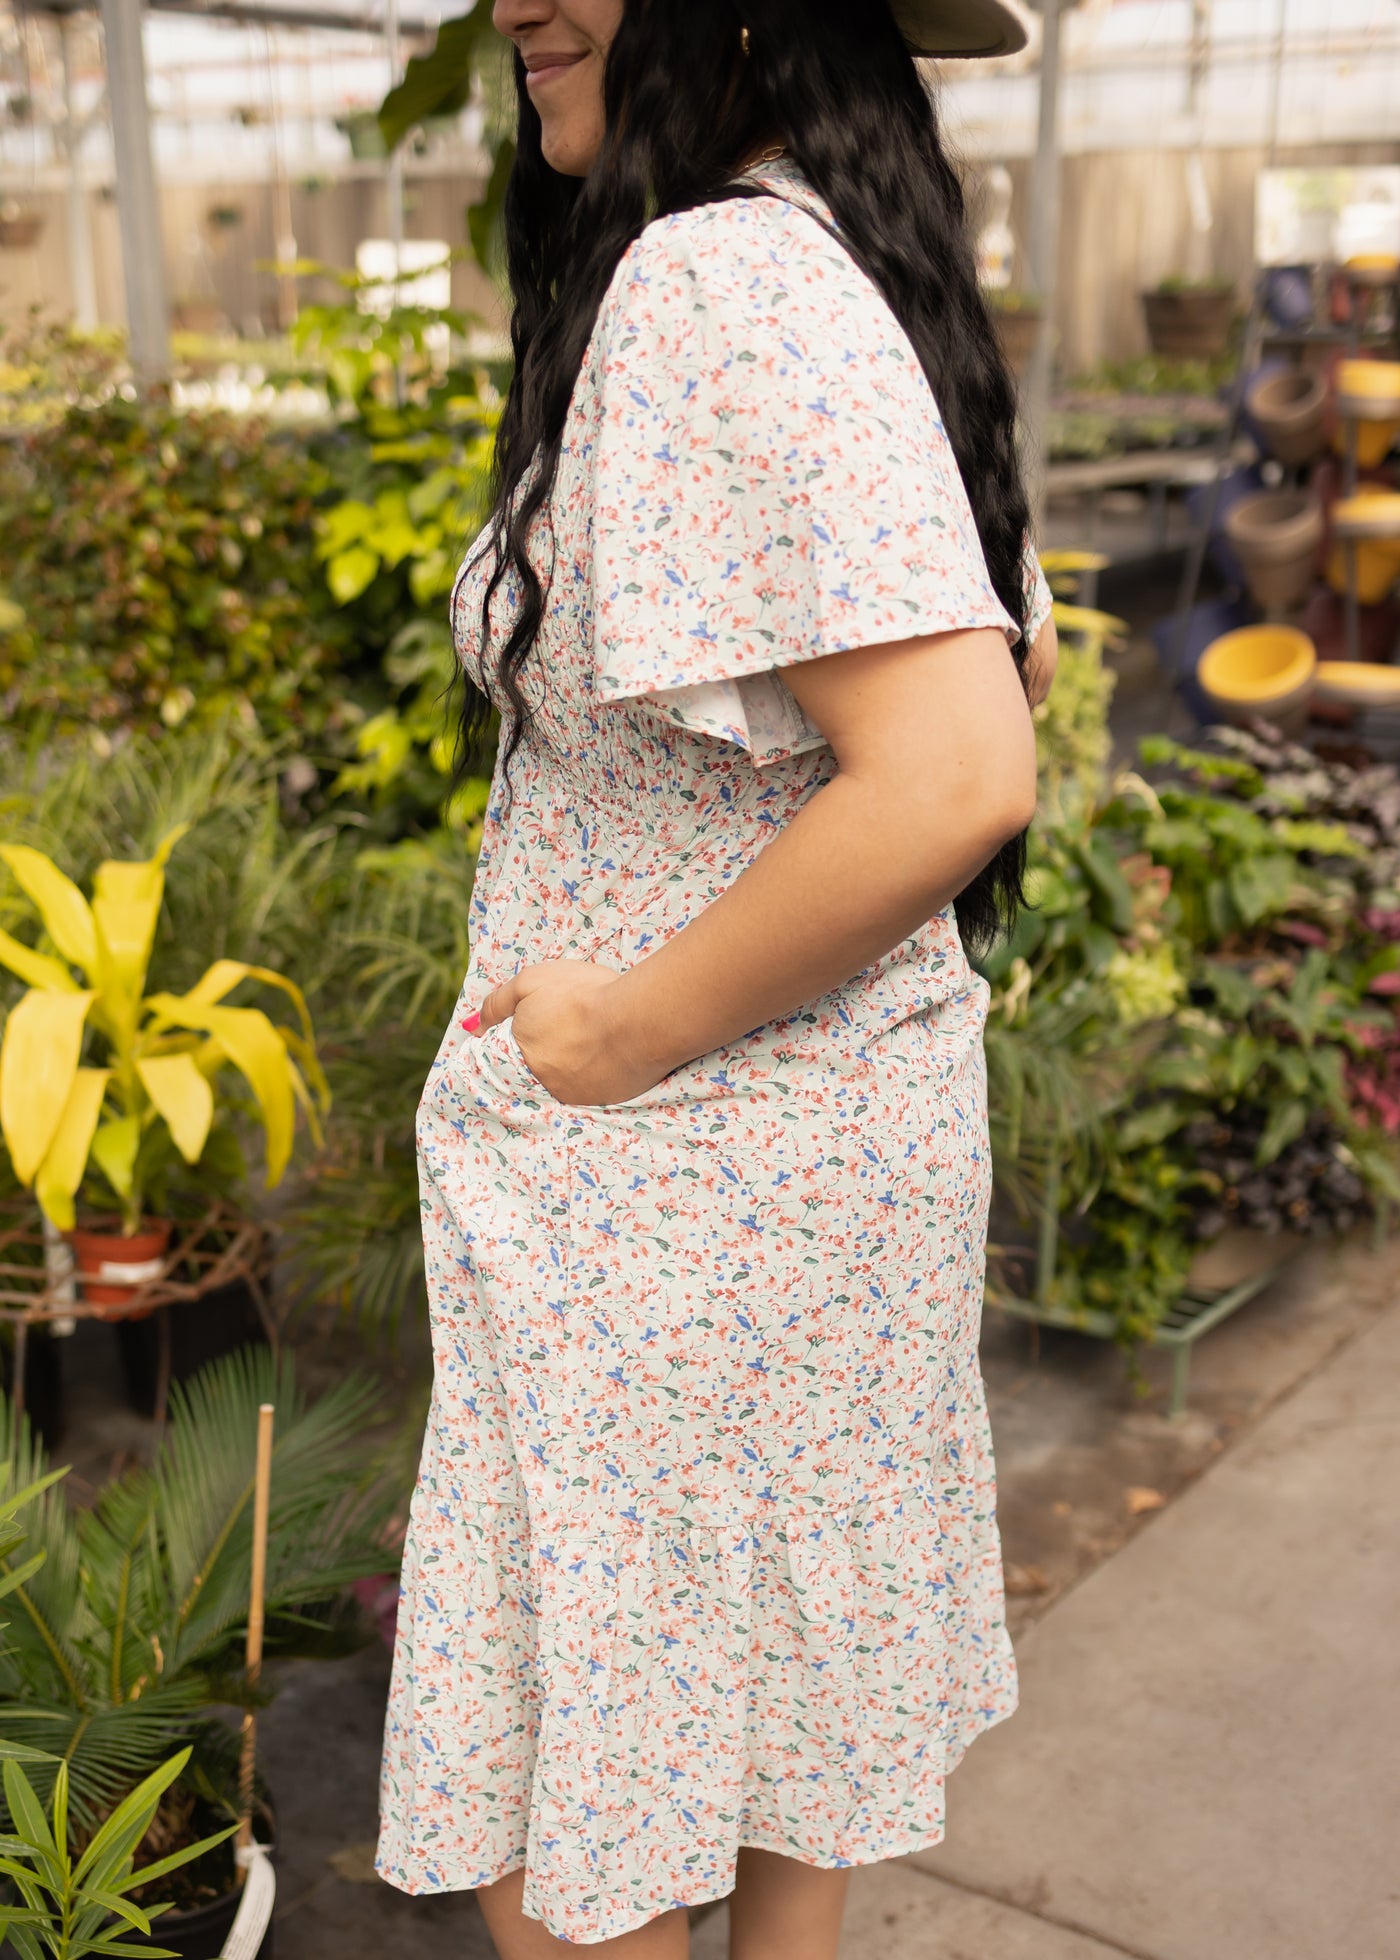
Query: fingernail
[(472, 1022)]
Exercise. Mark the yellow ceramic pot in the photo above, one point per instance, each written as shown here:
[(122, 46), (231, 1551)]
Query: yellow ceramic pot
[(1259, 670), (1357, 684), (1371, 522), (1368, 394), (1377, 269)]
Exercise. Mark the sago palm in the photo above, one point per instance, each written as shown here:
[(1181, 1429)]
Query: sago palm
[(132, 1631)]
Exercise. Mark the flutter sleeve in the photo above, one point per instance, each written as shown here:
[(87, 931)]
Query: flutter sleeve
[(772, 480), (1039, 599)]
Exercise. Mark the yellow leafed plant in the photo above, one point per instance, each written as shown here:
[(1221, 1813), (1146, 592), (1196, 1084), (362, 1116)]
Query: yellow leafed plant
[(159, 1056)]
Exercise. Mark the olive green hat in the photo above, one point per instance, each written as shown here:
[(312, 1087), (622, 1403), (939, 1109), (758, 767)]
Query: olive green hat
[(959, 29)]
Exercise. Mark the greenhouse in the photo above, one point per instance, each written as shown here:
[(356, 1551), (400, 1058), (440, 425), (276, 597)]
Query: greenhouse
[(465, 538)]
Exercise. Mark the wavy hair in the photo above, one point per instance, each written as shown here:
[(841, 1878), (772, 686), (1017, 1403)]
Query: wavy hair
[(684, 104)]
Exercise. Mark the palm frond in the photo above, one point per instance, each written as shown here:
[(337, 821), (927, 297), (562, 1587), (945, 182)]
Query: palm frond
[(46, 1640), (107, 1749), (138, 1630), (324, 1522)]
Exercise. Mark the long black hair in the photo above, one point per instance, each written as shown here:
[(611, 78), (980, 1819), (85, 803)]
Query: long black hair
[(688, 96)]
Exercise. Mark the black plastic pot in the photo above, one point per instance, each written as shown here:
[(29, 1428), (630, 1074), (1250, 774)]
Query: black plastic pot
[(43, 1383), (200, 1933), (200, 1332)]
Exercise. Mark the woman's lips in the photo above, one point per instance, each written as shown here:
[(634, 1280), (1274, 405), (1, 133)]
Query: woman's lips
[(545, 68)]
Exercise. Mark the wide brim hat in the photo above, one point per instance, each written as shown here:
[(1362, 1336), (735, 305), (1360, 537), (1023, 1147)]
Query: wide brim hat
[(962, 30)]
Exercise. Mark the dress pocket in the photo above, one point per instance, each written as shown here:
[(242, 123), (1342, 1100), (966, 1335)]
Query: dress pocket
[(507, 1055)]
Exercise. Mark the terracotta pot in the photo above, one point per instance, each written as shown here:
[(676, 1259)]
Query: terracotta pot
[(1018, 332), (1289, 410), (1192, 326), (1277, 537), (112, 1266)]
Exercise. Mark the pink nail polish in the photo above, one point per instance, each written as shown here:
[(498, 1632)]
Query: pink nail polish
[(472, 1022)]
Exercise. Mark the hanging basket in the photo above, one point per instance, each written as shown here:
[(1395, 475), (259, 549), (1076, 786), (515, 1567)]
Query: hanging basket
[(364, 135), (1017, 330), (1192, 324), (20, 233)]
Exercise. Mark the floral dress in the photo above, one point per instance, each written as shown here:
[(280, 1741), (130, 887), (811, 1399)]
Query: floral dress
[(703, 1549)]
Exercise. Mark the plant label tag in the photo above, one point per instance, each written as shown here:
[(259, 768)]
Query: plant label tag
[(113, 1272)]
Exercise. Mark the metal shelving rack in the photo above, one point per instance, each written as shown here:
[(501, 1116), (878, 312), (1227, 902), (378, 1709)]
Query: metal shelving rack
[(1257, 340)]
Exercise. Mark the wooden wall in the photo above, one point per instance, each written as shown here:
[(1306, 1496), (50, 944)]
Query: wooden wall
[(209, 263), (1125, 224)]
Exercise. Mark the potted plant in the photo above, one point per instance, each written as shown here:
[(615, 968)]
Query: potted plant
[(192, 313), (71, 1907), (1189, 318), (361, 128), (1017, 318), (75, 1906), (20, 226), (150, 1097), (113, 1675)]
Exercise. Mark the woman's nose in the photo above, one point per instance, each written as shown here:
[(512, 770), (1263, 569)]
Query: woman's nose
[(510, 17)]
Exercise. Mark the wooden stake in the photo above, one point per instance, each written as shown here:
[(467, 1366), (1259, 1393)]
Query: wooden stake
[(262, 1483)]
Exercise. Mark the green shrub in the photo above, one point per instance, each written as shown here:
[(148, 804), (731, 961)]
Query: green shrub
[(165, 567)]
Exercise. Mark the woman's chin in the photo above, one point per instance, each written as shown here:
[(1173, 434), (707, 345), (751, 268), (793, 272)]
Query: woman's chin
[(569, 151)]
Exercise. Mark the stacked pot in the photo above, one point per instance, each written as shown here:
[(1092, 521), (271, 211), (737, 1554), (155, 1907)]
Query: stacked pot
[(1276, 535), (1287, 540)]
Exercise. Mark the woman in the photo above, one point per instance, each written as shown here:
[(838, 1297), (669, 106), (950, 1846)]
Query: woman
[(703, 1576)]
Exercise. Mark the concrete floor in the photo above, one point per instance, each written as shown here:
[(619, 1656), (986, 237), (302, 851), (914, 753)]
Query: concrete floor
[(1204, 1765), (1213, 1687)]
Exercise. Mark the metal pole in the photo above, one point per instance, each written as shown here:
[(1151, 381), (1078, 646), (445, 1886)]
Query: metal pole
[(138, 207), (394, 174), (285, 239), (1276, 79), (1044, 256), (80, 273)]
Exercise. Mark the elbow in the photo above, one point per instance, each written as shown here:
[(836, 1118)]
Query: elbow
[(1017, 809), (1011, 787)]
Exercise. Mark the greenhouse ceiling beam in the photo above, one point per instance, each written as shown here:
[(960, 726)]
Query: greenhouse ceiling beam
[(279, 16), (138, 202), (247, 13)]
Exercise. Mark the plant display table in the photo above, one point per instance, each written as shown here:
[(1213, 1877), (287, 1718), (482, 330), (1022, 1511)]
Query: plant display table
[(1195, 1313), (222, 1247), (1208, 1297)]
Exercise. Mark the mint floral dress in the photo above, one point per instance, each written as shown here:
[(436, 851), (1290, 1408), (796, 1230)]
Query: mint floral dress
[(703, 1549)]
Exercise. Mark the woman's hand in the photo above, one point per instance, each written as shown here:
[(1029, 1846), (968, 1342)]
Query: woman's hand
[(570, 1043)]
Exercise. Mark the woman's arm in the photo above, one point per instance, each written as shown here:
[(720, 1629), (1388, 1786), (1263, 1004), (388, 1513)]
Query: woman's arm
[(936, 770)]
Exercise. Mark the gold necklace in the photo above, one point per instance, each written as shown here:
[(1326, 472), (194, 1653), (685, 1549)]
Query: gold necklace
[(767, 156)]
